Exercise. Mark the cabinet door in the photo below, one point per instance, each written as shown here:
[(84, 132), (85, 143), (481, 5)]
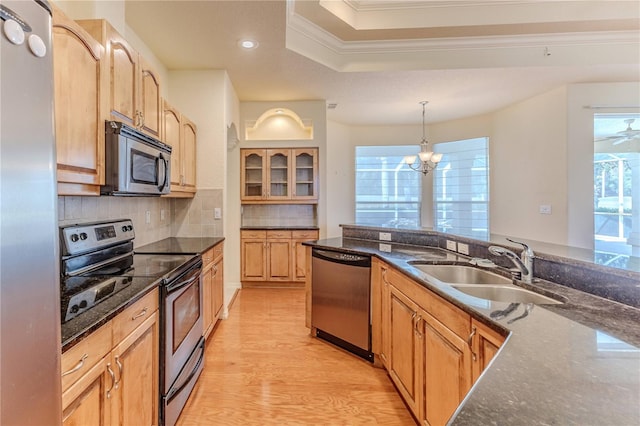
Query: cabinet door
[(149, 101), (86, 402), (218, 288), (171, 136), (254, 260), (305, 174), (299, 252), (135, 396), (279, 259), (207, 300), (278, 174), (79, 71), (404, 358), (446, 370), (123, 79), (189, 132), (253, 174), (486, 343)]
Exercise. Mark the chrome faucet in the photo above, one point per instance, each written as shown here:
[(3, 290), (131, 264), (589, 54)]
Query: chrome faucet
[(524, 263)]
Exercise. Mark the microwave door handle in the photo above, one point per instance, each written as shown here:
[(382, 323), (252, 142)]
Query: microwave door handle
[(165, 167)]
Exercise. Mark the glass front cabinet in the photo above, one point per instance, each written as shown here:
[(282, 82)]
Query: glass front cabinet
[(286, 175)]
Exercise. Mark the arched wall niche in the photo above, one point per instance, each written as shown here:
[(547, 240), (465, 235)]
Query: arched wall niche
[(279, 124)]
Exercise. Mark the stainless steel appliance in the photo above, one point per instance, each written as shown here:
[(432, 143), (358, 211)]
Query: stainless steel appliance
[(98, 261), (136, 164), (341, 300), (29, 288)]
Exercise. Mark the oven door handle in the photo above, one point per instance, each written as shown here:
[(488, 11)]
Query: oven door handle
[(187, 280), (99, 264), (176, 390)]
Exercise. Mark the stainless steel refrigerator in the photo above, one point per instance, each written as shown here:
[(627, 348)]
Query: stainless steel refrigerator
[(29, 271)]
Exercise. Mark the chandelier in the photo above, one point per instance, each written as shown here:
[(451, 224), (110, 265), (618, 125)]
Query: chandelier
[(428, 159)]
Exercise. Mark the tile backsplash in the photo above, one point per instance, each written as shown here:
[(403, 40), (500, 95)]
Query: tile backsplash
[(167, 217), (279, 215)]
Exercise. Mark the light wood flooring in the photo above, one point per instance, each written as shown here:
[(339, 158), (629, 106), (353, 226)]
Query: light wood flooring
[(263, 368)]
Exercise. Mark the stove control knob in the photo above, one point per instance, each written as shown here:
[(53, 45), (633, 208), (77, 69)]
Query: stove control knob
[(74, 309), (83, 236), (125, 228), (74, 237), (83, 304), (129, 228)]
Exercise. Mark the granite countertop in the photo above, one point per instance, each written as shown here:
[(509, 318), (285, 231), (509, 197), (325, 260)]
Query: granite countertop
[(280, 227), (173, 245), (576, 363), (86, 323)]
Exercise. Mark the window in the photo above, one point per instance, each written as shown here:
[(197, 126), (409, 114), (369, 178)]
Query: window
[(387, 191), (616, 165), (461, 188)]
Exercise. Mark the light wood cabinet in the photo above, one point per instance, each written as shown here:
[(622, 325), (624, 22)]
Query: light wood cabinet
[(380, 311), (180, 132), (271, 256), (80, 73), (288, 175), (133, 86), (111, 377), (486, 344), (429, 348), (212, 286)]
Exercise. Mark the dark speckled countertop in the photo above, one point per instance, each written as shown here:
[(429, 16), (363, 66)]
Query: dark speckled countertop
[(173, 245), (81, 326), (275, 228), (576, 363)]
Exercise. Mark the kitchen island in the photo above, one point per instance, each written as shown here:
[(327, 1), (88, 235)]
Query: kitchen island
[(575, 363)]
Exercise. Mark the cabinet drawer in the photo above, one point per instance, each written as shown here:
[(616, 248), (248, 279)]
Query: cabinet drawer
[(253, 234), (207, 258), (134, 315), (218, 250), (304, 235), (78, 360), (278, 234)]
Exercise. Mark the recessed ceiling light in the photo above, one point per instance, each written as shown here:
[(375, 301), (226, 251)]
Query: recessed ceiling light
[(248, 44)]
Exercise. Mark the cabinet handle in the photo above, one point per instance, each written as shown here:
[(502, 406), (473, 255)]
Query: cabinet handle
[(470, 343), (415, 326), (76, 367), (140, 314), (119, 364), (113, 380)]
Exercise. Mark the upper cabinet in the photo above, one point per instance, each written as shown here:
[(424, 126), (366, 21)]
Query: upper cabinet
[(80, 73), (287, 175), (133, 87), (179, 132)]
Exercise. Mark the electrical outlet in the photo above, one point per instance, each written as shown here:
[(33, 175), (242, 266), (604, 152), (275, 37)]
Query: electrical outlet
[(451, 245), (545, 208), (463, 248), (217, 213), (147, 217), (385, 247), (385, 236), (162, 214)]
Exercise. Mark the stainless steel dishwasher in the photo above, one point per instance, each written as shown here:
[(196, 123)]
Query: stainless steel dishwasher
[(341, 300)]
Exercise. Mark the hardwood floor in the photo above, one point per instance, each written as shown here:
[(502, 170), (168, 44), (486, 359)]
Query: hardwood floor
[(263, 368)]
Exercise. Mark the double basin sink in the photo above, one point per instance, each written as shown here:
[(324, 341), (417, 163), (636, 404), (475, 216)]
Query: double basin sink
[(482, 284)]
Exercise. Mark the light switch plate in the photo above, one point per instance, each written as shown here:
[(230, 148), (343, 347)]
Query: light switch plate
[(451, 245), (217, 213), (385, 247), (545, 208), (463, 248), (147, 217), (385, 236)]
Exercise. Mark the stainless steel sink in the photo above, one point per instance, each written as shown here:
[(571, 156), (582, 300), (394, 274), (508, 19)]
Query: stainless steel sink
[(458, 274), (505, 293)]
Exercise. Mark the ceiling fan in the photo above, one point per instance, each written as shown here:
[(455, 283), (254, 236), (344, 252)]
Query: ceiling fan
[(624, 135)]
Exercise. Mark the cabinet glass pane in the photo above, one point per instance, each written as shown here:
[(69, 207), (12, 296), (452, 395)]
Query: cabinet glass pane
[(253, 176), (304, 189), (304, 160), (279, 189), (279, 160), (253, 160)]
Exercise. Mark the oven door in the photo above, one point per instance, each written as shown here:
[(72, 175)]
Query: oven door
[(182, 323), (147, 169)]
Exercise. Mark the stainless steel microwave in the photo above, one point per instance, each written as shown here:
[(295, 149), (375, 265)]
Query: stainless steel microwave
[(135, 164)]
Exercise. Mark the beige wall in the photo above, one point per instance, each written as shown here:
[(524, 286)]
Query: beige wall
[(541, 153)]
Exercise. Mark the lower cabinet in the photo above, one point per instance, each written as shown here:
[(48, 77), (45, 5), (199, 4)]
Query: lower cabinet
[(111, 377), (274, 256), (433, 350), (212, 286)]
